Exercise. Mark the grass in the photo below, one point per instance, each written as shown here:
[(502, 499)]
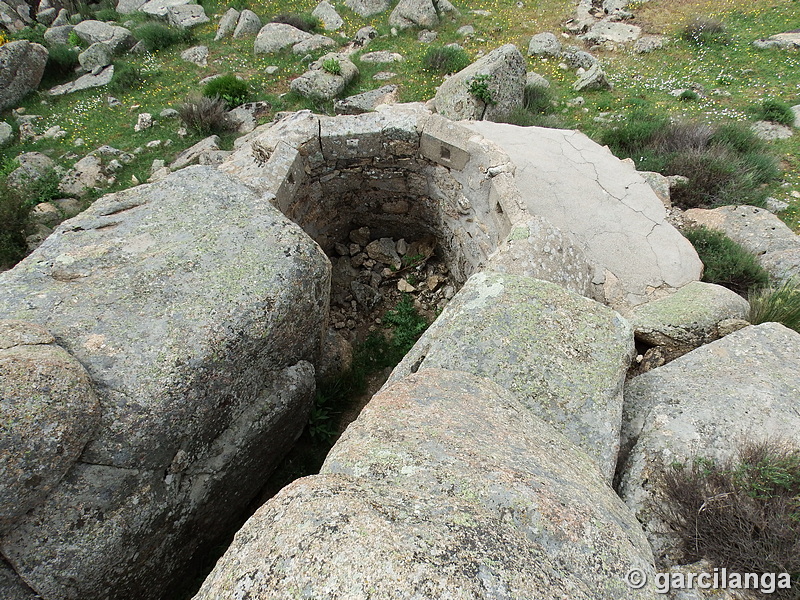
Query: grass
[(726, 262), (742, 513), (777, 303), (775, 111)]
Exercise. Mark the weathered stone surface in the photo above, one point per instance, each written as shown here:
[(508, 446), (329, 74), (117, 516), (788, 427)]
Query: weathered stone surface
[(21, 68), (796, 111), (535, 80), (86, 175), (277, 36), (367, 8), (158, 8), (192, 154), (96, 55), (610, 31), (196, 308), (247, 115), (660, 185), (562, 355), (742, 387), (248, 25), (544, 44), (186, 16), (367, 101), (383, 250), (33, 166), (505, 69), (227, 24), (312, 44), (414, 13), (318, 83), (58, 35), (84, 82), (593, 79), (12, 587), (115, 37), (759, 231), (535, 248), (197, 55), (126, 7), (48, 411), (327, 14), (767, 130), (583, 189), (501, 504), (381, 56), (6, 134), (688, 318), (649, 43), (782, 41)]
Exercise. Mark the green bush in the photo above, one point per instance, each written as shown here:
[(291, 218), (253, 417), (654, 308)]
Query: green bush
[(631, 137), (704, 31), (74, 40), (303, 21), (106, 14), (34, 34), (61, 63), (205, 115), (14, 213), (742, 513), (445, 60), (689, 96), (332, 66), (738, 138), (775, 111), (157, 36), (126, 77), (726, 262), (231, 89), (777, 303), (479, 87)]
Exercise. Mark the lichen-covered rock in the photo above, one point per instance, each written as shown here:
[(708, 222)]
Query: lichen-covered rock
[(562, 355), (759, 231), (610, 31), (414, 13), (688, 318), (84, 82), (48, 410), (97, 55), (186, 16), (367, 8), (227, 24), (705, 403), (327, 14), (196, 308), (544, 44), (86, 175), (366, 101), (314, 43), (502, 71), (535, 248), (115, 37), (33, 166), (21, 68), (613, 214), (248, 25), (320, 84), (448, 484), (12, 587), (58, 34), (276, 36)]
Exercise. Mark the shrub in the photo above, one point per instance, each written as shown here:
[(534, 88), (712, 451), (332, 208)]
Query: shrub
[(14, 212), (726, 262), (156, 36), (479, 87), (701, 30), (407, 325), (106, 14), (743, 513), (205, 115), (61, 63), (74, 40), (537, 99), (445, 60), (775, 111), (631, 137), (332, 66), (737, 138), (777, 303), (33, 34), (126, 77), (231, 89), (689, 96), (303, 21)]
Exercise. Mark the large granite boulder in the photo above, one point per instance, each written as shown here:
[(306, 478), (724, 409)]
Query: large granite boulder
[(160, 8), (535, 248), (544, 44), (84, 82), (613, 214), (367, 8), (704, 404), (688, 318), (21, 68), (759, 231), (186, 16), (196, 308), (115, 37), (227, 24), (48, 411), (563, 356), (58, 35), (444, 483), (502, 70), (33, 167), (248, 25), (274, 37), (327, 14), (414, 13), (319, 84)]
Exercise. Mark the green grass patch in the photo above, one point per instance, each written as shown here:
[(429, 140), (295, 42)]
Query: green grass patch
[(726, 262), (156, 36), (445, 60), (233, 91), (776, 303)]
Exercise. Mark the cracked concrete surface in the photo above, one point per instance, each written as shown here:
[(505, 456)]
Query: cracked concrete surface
[(613, 213)]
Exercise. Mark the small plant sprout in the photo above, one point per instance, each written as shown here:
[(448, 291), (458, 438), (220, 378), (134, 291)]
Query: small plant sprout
[(479, 87), (332, 66)]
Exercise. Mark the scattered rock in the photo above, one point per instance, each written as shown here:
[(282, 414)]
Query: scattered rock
[(312, 44), (159, 8), (504, 69), (466, 30), (649, 43), (367, 8), (86, 175), (227, 24), (327, 14), (127, 7), (773, 204), (367, 101), (381, 56), (544, 44), (22, 69), (186, 16), (248, 25), (144, 121), (535, 80), (383, 75), (608, 31), (85, 82), (33, 166), (97, 55), (115, 37), (192, 154), (593, 79), (6, 134), (197, 55), (364, 36), (767, 130), (318, 83), (276, 36), (781, 41), (247, 115), (427, 37), (58, 35), (414, 13)]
